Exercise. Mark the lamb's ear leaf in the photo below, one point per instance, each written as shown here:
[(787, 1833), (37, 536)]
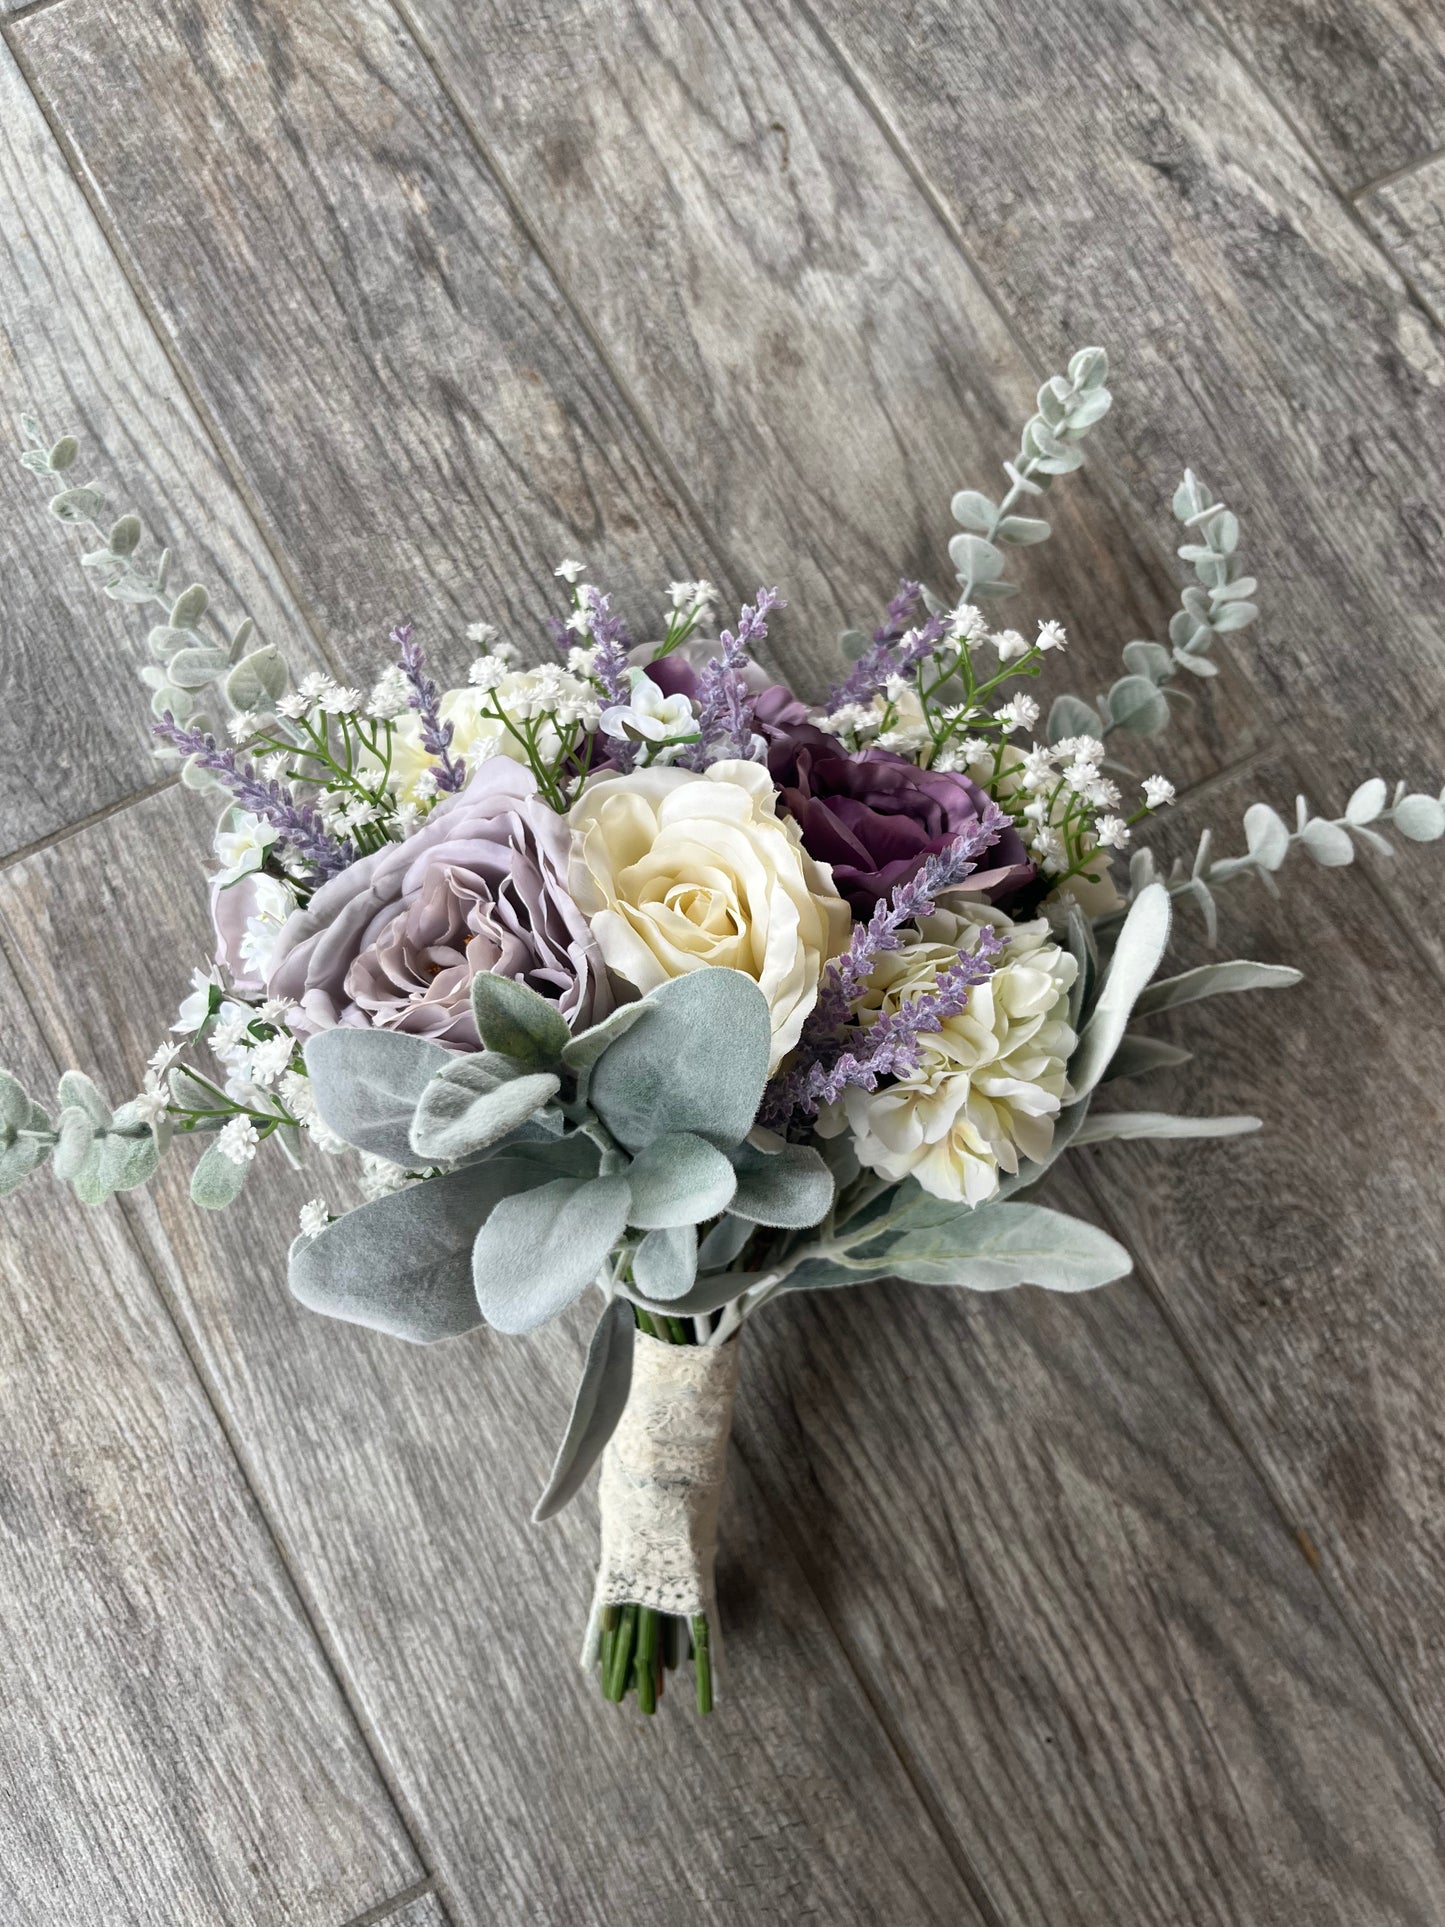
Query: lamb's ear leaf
[(997, 1246), (1105, 1127), (467, 1107), (1216, 980), (1137, 951), (368, 1083), (513, 1019), (664, 1266), (599, 1404), (402, 1264), (695, 1059), (583, 1050), (216, 1181), (789, 1188), (539, 1250), (723, 1243), (1138, 1056), (18, 1160), (678, 1180), (710, 1292)]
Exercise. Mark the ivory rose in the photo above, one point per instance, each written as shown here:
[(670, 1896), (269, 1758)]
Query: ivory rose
[(676, 871)]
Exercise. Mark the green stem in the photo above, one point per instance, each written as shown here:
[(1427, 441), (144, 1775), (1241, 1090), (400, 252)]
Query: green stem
[(614, 1682), (648, 1629), (702, 1662)]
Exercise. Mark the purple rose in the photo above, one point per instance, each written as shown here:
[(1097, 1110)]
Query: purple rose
[(396, 939), (873, 815)]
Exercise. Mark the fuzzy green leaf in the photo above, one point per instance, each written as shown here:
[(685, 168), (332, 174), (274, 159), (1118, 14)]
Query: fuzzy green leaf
[(513, 1019), (470, 1105), (1215, 980), (217, 1179), (600, 1402), (789, 1188), (368, 1083), (664, 1266), (1137, 952), (680, 1179), (695, 1060), (539, 1250)]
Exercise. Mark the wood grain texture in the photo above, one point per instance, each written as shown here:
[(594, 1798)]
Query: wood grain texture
[(1114, 1672), (173, 1747), (400, 1480), (425, 424), (782, 304), (1160, 204), (1313, 1299), (77, 352), (1409, 216), (1363, 80)]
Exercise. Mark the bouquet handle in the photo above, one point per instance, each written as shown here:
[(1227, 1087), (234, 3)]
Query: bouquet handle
[(661, 1488)]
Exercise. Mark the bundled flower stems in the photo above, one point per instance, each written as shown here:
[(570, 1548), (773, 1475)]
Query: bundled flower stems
[(634, 971)]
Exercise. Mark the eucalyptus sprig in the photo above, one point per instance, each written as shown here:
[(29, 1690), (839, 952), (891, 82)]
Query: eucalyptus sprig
[(1214, 604), (1329, 841), (201, 669), (1068, 407)]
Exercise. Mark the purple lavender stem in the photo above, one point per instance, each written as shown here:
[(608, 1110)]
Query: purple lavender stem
[(831, 1039), (298, 825), (902, 611), (889, 656), (610, 642), (425, 699), (725, 704)]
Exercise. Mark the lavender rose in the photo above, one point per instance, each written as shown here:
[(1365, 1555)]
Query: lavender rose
[(396, 939), (873, 815)]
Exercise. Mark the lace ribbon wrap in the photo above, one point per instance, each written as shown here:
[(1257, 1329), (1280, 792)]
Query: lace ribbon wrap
[(662, 1478)]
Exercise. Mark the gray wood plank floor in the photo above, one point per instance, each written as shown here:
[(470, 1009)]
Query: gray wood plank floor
[(1043, 1613)]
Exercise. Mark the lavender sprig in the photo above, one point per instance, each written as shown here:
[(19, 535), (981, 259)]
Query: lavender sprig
[(888, 656), (725, 704), (610, 643), (297, 824), (830, 1035), (425, 699), (902, 612), (892, 1046)]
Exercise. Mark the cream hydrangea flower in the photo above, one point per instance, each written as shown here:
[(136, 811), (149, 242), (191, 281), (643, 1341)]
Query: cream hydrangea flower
[(677, 871), (990, 1083)]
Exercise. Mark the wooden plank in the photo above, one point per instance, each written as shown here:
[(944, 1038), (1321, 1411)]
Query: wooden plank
[(1312, 1301), (174, 1745), (426, 427), (1363, 80), (400, 1480), (1162, 205), (77, 352), (781, 303), (1408, 213), (1115, 1675)]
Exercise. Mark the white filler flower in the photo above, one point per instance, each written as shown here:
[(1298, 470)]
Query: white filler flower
[(990, 1083)]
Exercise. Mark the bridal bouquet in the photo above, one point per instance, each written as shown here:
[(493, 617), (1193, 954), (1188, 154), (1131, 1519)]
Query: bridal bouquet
[(636, 972)]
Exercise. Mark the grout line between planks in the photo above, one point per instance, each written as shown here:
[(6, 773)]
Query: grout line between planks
[(255, 512), (389, 1909), (67, 830), (310, 1616), (1397, 174), (1348, 198)]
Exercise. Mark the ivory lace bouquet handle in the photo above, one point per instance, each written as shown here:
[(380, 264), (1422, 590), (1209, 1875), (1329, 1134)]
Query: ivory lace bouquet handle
[(661, 1486), (634, 970)]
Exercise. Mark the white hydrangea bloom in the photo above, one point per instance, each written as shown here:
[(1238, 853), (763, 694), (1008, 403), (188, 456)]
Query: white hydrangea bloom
[(314, 1217), (272, 902), (990, 1083), (238, 1139)]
